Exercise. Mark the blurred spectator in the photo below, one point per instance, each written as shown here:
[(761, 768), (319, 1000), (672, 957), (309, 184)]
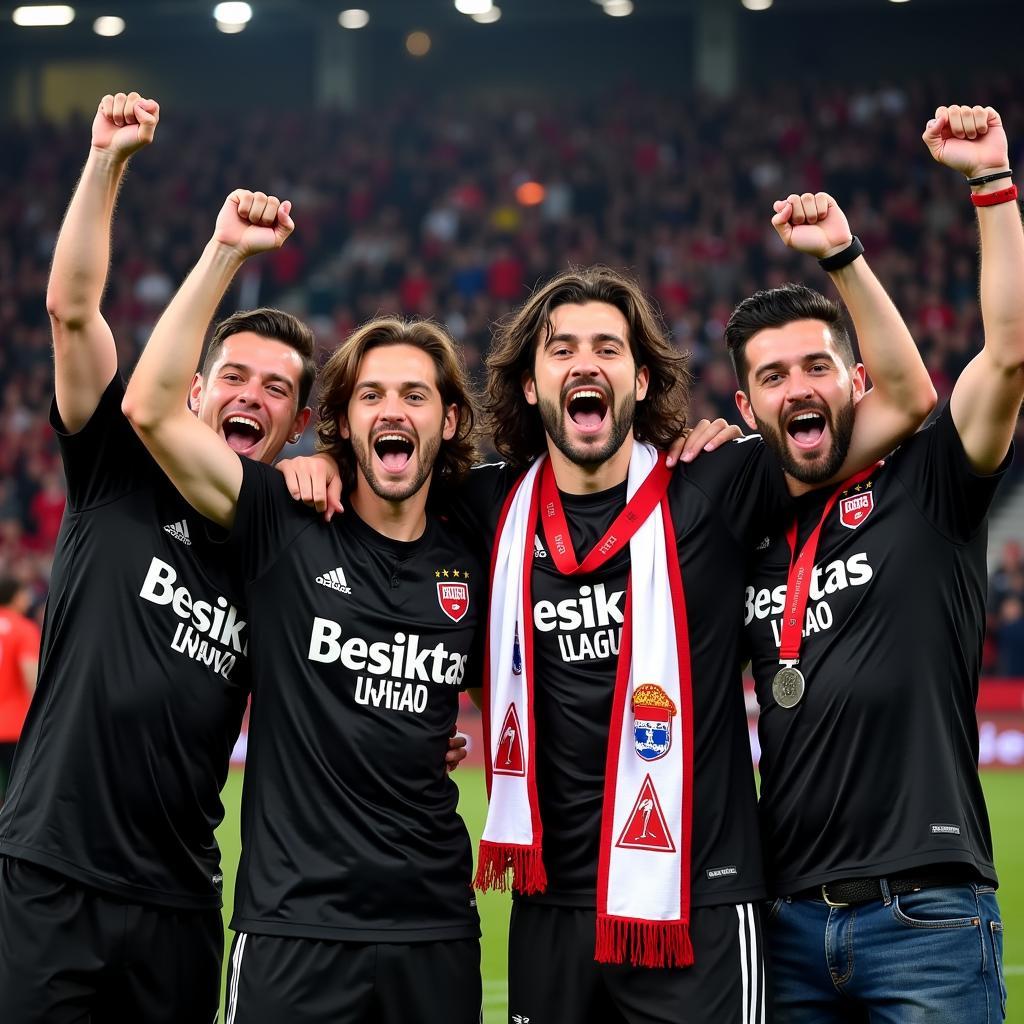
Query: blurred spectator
[(430, 224), (1009, 634), (19, 661)]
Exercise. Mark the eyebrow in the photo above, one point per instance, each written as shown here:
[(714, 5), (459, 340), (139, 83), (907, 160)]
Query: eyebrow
[(279, 377), (408, 385), (602, 336), (780, 364)]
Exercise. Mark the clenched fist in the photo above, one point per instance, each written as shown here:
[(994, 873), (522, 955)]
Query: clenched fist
[(812, 223), (124, 123), (971, 140), (253, 222)]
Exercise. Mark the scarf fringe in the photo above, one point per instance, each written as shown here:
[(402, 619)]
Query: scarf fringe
[(496, 860), (646, 943)]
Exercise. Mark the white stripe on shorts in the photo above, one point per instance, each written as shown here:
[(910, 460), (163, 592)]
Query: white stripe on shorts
[(236, 970), (751, 966)]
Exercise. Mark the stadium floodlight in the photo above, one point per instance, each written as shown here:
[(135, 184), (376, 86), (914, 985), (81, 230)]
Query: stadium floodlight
[(618, 8), (418, 43), (232, 14), (43, 14), (353, 18), (230, 28), (757, 5), (473, 6), (108, 25), (488, 17)]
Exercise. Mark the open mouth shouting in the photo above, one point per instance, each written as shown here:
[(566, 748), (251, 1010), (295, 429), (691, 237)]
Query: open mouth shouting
[(807, 428), (587, 407), (393, 450), (242, 432)]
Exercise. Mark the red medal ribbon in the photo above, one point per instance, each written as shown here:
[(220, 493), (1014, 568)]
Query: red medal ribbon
[(801, 566), (627, 522)]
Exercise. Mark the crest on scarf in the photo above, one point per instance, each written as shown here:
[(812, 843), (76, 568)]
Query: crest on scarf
[(453, 599), (855, 508), (508, 757), (653, 712), (646, 828)]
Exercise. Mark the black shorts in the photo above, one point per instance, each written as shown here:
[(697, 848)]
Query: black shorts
[(554, 979), (273, 979), (70, 954)]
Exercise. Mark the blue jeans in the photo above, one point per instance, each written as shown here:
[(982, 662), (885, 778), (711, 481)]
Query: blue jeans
[(928, 957)]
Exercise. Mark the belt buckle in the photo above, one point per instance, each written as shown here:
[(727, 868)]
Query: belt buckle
[(824, 896)]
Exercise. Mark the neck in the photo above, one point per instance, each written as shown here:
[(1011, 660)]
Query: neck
[(798, 487), (575, 479), (398, 520)]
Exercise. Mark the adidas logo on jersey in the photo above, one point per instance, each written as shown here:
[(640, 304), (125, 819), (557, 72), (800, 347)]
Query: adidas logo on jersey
[(335, 579), (538, 548), (179, 531)]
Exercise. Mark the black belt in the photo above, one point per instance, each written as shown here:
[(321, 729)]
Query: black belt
[(847, 891)]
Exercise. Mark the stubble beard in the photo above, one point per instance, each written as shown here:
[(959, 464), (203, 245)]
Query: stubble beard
[(586, 454), (817, 471), (427, 452)]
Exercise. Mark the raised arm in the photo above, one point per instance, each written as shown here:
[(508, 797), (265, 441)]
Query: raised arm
[(987, 397), (902, 394), (197, 459), (84, 355)]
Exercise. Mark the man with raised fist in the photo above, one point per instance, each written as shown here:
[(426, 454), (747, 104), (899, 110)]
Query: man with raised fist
[(110, 876), (865, 617)]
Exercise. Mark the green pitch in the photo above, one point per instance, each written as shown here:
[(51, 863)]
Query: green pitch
[(1003, 790)]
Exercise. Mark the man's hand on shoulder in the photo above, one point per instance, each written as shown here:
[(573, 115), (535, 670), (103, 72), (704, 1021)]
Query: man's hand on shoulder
[(315, 481), (705, 436)]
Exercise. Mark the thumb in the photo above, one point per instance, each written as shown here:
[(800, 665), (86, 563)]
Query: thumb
[(284, 216)]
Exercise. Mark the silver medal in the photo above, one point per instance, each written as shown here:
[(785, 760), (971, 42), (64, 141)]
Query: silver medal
[(788, 687)]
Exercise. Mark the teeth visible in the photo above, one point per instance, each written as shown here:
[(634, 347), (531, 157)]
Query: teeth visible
[(247, 421), (588, 394), (806, 416), (394, 437)]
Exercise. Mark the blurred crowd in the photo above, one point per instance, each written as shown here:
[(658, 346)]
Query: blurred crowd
[(455, 211)]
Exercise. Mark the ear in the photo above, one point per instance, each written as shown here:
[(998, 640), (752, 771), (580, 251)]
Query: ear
[(195, 393), (743, 404), (643, 379), (858, 377), (451, 422), (530, 388), (343, 430), (300, 422)]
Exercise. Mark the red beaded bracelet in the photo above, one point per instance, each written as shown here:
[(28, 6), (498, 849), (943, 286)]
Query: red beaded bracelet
[(1004, 195)]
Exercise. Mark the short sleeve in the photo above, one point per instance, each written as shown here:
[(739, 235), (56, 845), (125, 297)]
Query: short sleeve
[(267, 520), (938, 477), (475, 504), (105, 459), (745, 483)]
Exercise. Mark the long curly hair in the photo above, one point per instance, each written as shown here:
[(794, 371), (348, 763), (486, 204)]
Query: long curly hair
[(515, 425), (338, 379)]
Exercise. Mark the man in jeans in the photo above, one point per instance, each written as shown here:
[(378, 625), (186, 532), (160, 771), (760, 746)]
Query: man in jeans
[(874, 824)]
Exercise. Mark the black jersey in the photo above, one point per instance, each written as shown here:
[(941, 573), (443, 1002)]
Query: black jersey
[(360, 645), (718, 504), (875, 771), (143, 680)]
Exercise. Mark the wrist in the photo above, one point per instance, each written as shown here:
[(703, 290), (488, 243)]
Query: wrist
[(843, 258), (224, 254), (105, 160), (834, 250), (997, 178)]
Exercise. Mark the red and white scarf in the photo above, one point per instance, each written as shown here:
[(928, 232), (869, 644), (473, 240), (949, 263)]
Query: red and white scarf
[(643, 889)]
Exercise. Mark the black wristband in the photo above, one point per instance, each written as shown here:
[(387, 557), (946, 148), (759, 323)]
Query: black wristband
[(986, 178), (844, 258)]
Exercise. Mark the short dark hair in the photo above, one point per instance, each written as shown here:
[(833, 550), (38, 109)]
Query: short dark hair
[(515, 425), (776, 307), (9, 589), (276, 325), (338, 380)]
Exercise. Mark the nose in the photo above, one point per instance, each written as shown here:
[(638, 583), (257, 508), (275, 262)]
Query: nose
[(391, 408), (798, 386), (251, 393)]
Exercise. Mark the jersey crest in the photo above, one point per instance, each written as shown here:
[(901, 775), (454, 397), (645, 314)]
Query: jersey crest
[(855, 508), (653, 712), (508, 758), (646, 828), (453, 599)]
